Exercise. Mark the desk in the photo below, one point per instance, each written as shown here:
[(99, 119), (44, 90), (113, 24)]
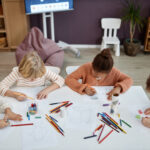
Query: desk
[(137, 137)]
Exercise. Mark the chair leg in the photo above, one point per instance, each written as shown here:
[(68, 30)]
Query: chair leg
[(117, 49), (103, 46)]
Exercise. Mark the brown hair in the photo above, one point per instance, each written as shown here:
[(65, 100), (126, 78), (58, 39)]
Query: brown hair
[(32, 66), (148, 84), (103, 62)]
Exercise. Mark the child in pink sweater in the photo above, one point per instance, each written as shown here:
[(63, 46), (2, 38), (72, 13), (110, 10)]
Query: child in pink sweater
[(99, 73)]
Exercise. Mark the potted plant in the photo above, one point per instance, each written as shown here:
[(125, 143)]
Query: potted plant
[(132, 16)]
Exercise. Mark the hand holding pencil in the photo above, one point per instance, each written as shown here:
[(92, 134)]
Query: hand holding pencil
[(21, 96)]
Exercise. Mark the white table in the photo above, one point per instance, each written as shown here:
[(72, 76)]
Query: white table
[(79, 122)]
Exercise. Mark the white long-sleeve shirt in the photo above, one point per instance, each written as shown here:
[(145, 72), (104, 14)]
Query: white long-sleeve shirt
[(15, 78), (3, 106)]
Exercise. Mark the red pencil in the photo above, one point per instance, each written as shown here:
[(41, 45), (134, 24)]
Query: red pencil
[(15, 125), (106, 136), (101, 132), (68, 105)]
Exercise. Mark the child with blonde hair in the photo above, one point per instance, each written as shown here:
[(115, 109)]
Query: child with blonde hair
[(30, 73), (99, 73)]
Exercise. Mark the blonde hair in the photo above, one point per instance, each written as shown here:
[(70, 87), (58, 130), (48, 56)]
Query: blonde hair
[(32, 66)]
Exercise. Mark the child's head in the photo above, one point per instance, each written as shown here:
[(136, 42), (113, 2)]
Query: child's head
[(102, 63), (32, 66), (148, 84)]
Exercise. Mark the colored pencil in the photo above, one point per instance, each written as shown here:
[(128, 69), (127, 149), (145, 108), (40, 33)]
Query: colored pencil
[(55, 124), (56, 128), (106, 104), (111, 118), (126, 123), (108, 120), (68, 105), (99, 127), (89, 136), (106, 136), (58, 107), (53, 118), (110, 126), (15, 125), (116, 124), (58, 103), (101, 132), (52, 123)]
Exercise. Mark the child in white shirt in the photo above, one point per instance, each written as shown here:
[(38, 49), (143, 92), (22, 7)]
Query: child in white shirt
[(9, 115)]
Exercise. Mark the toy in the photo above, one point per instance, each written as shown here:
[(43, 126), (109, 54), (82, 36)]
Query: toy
[(33, 109)]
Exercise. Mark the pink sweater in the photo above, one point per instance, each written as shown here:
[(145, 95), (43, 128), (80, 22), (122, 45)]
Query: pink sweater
[(114, 78)]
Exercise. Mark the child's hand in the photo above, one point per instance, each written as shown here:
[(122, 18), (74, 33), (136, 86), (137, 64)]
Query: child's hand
[(43, 94), (146, 122), (147, 111), (3, 123), (20, 96), (89, 91), (115, 90)]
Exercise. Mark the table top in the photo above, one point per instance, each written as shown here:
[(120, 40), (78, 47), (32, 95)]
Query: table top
[(80, 120)]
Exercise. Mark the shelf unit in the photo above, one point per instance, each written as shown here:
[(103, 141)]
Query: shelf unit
[(14, 24), (147, 37)]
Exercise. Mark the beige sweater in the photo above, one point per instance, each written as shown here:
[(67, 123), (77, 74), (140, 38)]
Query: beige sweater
[(15, 78)]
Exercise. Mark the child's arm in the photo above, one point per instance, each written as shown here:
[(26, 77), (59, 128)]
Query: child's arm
[(72, 80), (57, 81), (147, 111), (17, 95), (44, 93), (123, 81), (3, 123), (7, 83)]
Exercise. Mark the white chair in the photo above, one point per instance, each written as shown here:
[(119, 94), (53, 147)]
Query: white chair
[(110, 26), (70, 69)]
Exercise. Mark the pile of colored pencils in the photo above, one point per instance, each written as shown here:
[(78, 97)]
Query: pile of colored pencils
[(57, 109), (53, 121), (107, 120)]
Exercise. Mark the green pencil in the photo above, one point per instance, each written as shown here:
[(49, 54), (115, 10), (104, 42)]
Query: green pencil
[(126, 123)]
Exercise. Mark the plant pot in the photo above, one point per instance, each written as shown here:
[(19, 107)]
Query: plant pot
[(131, 49)]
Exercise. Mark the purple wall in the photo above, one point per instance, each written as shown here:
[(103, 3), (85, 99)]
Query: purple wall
[(81, 26)]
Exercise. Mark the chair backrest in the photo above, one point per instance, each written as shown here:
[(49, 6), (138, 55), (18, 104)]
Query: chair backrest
[(110, 26), (70, 69)]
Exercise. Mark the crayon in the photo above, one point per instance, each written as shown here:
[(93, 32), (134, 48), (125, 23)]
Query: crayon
[(15, 125), (126, 123), (89, 136)]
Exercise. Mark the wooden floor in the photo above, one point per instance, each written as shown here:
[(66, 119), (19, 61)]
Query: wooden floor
[(138, 68)]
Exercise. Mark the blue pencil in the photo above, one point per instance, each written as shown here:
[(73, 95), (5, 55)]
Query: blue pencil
[(53, 119)]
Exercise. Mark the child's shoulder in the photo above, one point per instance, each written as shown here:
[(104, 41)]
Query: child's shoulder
[(86, 65), (115, 71), (52, 69)]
